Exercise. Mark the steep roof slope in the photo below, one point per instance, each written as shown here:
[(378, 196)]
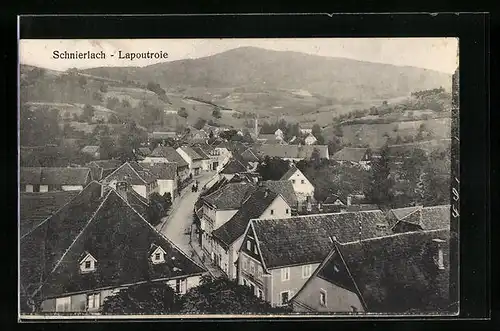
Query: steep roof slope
[(230, 196)]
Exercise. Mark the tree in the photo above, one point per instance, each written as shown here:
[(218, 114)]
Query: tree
[(82, 81), (103, 88), (88, 113), (182, 112), (247, 138), (334, 145), (228, 134), (145, 299), (155, 209), (200, 123), (167, 201), (113, 119), (272, 168), (316, 157), (224, 295), (106, 147), (112, 103), (130, 139), (216, 113), (380, 190)]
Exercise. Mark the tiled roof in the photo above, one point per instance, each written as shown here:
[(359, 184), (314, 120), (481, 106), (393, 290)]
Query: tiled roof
[(170, 154), (109, 229), (107, 164), (428, 218), (249, 155), (163, 135), (289, 173), (55, 176), (143, 151), (201, 153), (191, 153), (306, 239), (96, 172), (350, 154), (398, 266), (283, 187), (252, 208), (292, 151), (90, 149), (230, 196), (36, 207), (268, 136), (233, 167), (132, 173), (165, 171)]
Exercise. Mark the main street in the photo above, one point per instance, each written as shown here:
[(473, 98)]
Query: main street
[(177, 225)]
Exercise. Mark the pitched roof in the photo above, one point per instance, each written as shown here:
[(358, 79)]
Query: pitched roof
[(252, 208), (36, 207), (234, 166), (55, 176), (131, 172), (230, 196), (96, 172), (163, 135), (428, 218), (106, 164), (201, 153), (249, 155), (403, 270), (113, 232), (287, 175), (292, 151), (143, 151), (191, 153), (283, 187), (350, 154), (170, 154), (306, 239), (164, 171), (267, 136)]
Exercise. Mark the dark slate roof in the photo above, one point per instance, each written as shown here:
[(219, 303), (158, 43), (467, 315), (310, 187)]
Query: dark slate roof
[(143, 151), (306, 239), (36, 207), (350, 154), (55, 176), (164, 171), (230, 196), (109, 229), (428, 218), (331, 199), (163, 135), (396, 264), (249, 155), (96, 172), (234, 166), (289, 173), (170, 154), (283, 187), (291, 151), (252, 208), (132, 173), (107, 164), (201, 153), (191, 153)]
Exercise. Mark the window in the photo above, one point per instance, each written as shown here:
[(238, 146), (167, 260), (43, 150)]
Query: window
[(306, 271), (287, 211), (302, 181), (180, 286), (259, 293), (259, 271), (63, 304), (322, 298), (285, 274), (244, 282), (29, 188), (249, 245), (354, 309), (293, 181), (252, 267), (272, 211), (255, 249), (285, 296), (157, 256), (93, 301), (88, 264), (245, 264)]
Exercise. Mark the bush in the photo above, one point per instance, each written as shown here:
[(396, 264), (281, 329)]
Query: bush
[(182, 112)]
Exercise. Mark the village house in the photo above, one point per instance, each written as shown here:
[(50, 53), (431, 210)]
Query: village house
[(166, 177), (218, 208), (102, 168), (142, 152), (167, 154), (86, 260), (303, 188), (354, 156), (279, 255), (419, 218), (412, 270), (206, 161), (93, 151), (250, 158), (37, 207), (223, 153), (285, 189), (233, 167), (227, 238), (163, 136), (51, 179), (310, 139), (292, 152), (193, 159), (143, 181)]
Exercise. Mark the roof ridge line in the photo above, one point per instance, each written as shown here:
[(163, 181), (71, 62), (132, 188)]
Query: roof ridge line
[(158, 232), (392, 235), (74, 241), (57, 211), (417, 208)]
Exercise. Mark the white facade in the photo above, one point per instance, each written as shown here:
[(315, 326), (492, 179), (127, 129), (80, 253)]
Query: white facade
[(194, 165), (72, 187), (302, 186), (167, 186), (310, 140), (155, 159)]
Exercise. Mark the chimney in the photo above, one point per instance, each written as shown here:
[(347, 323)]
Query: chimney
[(439, 259), (266, 192), (122, 189), (349, 200)]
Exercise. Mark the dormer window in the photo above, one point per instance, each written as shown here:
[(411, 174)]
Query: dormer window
[(158, 255), (87, 263)]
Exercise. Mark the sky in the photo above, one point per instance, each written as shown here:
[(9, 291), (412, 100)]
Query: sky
[(430, 53)]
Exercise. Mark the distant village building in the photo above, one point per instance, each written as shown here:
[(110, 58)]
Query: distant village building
[(141, 180), (292, 152), (51, 179), (142, 152), (77, 271), (206, 160), (233, 167), (166, 154), (166, 177), (193, 159), (93, 151), (310, 139), (303, 188), (350, 280), (102, 168), (351, 155), (162, 135)]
